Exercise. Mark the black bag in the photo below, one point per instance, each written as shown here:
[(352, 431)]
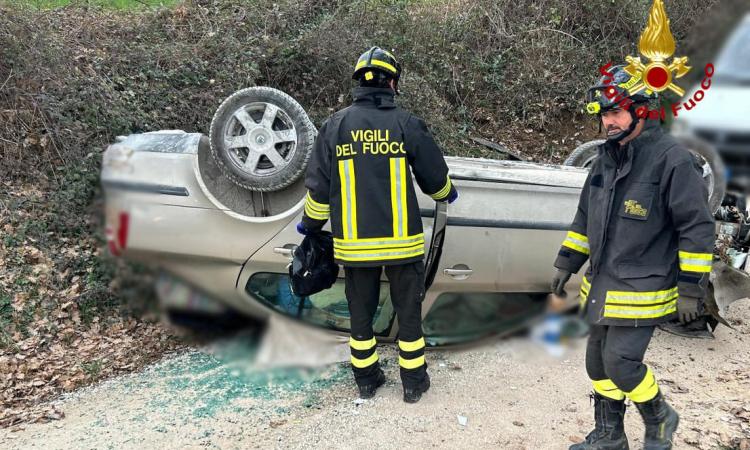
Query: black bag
[(313, 268)]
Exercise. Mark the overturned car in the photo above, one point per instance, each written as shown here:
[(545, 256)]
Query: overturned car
[(217, 215)]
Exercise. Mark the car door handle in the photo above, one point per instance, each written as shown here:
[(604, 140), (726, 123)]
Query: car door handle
[(286, 250), (457, 273)]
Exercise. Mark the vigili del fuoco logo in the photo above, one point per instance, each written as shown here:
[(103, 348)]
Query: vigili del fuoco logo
[(658, 73)]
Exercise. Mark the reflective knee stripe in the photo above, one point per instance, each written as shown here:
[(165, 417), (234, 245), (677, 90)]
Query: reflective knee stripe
[(577, 242), (608, 389), (398, 197), (444, 191), (362, 345), (362, 363), (696, 262), (646, 390), (411, 363), (315, 210), (348, 198), (640, 305), (378, 249), (411, 346), (585, 288)]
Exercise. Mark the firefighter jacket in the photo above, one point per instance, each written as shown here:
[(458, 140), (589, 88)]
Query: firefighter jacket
[(643, 221), (360, 176)]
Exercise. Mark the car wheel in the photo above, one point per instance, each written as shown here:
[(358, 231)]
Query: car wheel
[(705, 155), (714, 174), (261, 139), (585, 154)]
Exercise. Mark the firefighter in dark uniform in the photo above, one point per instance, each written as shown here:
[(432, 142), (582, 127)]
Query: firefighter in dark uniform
[(360, 176), (643, 222)]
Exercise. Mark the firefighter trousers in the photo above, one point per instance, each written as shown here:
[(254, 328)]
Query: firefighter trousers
[(407, 292), (614, 362)]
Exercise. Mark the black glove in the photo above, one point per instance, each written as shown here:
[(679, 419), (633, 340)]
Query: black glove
[(688, 308), (558, 282)]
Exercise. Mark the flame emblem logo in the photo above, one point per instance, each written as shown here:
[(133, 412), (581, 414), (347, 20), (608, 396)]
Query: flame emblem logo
[(657, 45)]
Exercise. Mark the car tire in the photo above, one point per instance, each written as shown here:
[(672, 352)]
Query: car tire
[(714, 172), (706, 157), (585, 154), (261, 139)]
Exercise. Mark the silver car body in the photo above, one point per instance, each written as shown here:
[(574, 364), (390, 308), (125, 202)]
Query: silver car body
[(501, 237)]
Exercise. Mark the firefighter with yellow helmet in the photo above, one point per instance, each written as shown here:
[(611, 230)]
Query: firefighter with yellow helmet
[(360, 178)]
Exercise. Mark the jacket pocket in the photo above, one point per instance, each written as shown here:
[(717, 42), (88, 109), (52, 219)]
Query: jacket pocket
[(629, 270), (637, 202)]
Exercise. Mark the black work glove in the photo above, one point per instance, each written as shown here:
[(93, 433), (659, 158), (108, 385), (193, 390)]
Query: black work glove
[(558, 282), (688, 308)]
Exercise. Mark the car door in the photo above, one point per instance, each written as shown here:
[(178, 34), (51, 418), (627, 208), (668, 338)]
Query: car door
[(501, 239)]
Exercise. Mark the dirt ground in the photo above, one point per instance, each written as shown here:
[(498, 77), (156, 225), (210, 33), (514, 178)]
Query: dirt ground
[(507, 393)]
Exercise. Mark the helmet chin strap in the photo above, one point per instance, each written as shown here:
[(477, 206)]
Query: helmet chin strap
[(617, 138)]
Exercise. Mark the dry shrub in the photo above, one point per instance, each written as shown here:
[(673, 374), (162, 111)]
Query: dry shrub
[(76, 77)]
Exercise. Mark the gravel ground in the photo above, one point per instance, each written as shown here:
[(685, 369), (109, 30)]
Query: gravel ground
[(511, 395)]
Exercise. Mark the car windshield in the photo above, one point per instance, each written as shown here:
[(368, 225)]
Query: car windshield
[(733, 64)]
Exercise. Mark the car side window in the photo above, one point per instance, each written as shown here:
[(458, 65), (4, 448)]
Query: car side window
[(327, 309), (458, 317)]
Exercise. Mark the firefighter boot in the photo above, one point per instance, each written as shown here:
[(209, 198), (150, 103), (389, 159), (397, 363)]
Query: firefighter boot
[(661, 422), (412, 395), (609, 431), (368, 390)]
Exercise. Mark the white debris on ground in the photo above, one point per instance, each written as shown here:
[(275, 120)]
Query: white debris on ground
[(504, 394)]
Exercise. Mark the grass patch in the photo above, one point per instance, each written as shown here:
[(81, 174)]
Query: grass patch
[(110, 4), (92, 368)]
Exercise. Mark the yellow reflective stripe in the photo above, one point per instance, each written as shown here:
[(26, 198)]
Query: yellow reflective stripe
[(575, 247), (402, 201), (696, 262), (394, 197), (693, 268), (584, 294), (578, 236), (353, 198), (641, 298), (362, 363), (315, 210), (701, 256), (313, 214), (640, 305), (319, 206), (411, 346), (375, 62), (398, 197), (378, 243), (357, 251), (362, 345), (411, 363), (348, 198), (577, 242), (607, 388), (379, 255), (444, 191), (639, 313), (646, 389)]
